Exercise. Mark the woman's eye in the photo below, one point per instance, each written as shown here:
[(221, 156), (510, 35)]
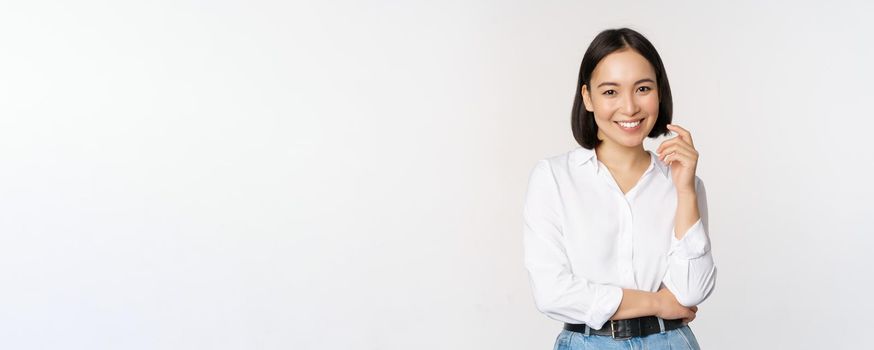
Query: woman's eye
[(644, 88), (610, 92)]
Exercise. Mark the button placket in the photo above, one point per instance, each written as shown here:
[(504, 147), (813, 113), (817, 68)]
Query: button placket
[(628, 244), (626, 271)]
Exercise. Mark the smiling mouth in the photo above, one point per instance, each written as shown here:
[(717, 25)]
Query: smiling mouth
[(630, 125)]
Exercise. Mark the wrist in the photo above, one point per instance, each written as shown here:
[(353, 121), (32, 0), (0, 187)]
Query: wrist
[(686, 192), (656, 303)]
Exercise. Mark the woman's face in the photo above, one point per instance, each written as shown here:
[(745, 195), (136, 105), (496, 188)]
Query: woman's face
[(624, 97)]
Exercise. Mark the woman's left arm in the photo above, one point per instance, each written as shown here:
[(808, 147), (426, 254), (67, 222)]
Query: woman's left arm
[(691, 273)]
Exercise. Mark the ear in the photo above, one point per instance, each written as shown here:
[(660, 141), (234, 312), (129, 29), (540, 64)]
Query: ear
[(587, 99)]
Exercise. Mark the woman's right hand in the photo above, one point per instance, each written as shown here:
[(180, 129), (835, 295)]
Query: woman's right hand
[(670, 309)]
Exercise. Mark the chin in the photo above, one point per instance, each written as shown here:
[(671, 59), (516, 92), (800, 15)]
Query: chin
[(632, 143), (628, 140)]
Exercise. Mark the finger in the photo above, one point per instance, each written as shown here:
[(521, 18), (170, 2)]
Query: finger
[(673, 140), (683, 159), (675, 151), (677, 147), (661, 150), (682, 133), (685, 134), (680, 155), (690, 316), (694, 308), (666, 144)]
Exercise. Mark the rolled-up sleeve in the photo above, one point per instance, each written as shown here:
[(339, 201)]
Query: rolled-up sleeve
[(558, 292), (691, 273)]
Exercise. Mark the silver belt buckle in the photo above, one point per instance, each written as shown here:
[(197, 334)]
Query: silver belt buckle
[(613, 333)]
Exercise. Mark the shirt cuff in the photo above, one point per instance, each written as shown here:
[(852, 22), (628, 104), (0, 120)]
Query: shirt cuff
[(606, 303), (694, 243)]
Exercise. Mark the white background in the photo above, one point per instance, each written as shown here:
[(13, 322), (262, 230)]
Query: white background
[(333, 175)]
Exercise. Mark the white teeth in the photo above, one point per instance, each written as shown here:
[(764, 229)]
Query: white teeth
[(629, 125)]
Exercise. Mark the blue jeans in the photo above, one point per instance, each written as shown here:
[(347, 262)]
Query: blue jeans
[(680, 338)]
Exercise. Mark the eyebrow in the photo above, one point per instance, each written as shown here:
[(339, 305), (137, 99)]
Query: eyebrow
[(644, 80)]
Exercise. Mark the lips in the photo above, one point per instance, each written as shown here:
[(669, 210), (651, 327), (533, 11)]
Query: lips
[(629, 124)]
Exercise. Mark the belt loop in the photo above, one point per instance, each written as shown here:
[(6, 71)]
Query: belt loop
[(587, 330), (661, 325)]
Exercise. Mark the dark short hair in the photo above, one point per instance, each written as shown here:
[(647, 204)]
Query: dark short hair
[(611, 40)]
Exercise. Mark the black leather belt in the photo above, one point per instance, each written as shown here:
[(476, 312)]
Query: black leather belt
[(624, 329)]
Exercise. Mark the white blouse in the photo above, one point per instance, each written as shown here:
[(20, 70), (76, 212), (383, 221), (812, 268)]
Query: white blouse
[(585, 240)]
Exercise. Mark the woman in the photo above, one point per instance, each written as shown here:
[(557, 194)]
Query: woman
[(616, 242)]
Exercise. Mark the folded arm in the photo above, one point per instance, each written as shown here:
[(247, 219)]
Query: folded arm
[(691, 273), (558, 292)]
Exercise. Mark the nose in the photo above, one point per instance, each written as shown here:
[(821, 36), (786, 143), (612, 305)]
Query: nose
[(630, 106)]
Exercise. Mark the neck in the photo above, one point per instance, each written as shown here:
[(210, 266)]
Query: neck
[(621, 157)]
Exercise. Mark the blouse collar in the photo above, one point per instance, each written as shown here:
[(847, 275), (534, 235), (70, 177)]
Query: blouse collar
[(580, 156)]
